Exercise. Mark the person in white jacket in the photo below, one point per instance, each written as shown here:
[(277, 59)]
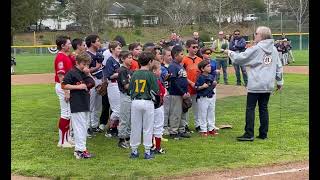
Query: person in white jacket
[(265, 67)]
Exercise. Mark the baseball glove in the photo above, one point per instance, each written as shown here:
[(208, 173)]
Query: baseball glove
[(186, 104), (89, 81), (102, 88)]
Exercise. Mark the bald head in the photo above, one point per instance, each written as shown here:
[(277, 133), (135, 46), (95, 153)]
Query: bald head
[(195, 35)]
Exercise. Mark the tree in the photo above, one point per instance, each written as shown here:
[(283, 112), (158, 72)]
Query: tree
[(91, 14), (23, 13), (179, 12), (300, 9)]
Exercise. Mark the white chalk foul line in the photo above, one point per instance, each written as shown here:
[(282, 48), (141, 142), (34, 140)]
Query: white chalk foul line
[(272, 173)]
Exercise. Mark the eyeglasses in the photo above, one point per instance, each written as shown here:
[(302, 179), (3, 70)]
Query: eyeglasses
[(208, 54), (195, 47)]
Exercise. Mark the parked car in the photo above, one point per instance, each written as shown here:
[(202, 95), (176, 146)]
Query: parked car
[(250, 17), (73, 27), (34, 27)]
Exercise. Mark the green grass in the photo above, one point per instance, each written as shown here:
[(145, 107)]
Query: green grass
[(34, 134), (34, 64), (301, 58), (38, 64)]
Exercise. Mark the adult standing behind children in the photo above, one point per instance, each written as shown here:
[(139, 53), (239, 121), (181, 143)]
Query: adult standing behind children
[(143, 86), (238, 44), (93, 44), (79, 102), (62, 64), (190, 63), (200, 43), (178, 90), (111, 73), (218, 46), (265, 68)]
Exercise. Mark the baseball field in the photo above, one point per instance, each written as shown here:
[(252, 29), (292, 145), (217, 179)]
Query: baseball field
[(34, 134)]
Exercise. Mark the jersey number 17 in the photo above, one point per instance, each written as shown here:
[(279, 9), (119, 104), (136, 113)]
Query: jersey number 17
[(142, 83)]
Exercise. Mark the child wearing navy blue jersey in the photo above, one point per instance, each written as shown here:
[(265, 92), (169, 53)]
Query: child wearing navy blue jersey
[(205, 86)]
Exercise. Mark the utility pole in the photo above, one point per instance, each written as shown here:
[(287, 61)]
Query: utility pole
[(300, 19), (281, 22)]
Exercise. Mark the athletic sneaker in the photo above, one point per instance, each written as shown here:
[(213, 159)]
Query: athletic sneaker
[(148, 156), (166, 131), (123, 144), (102, 127), (184, 135), (159, 151), (97, 130), (134, 155), (82, 154), (127, 143), (65, 145), (175, 136)]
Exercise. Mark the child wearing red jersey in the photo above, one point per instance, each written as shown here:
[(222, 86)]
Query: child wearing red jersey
[(62, 64), (158, 111)]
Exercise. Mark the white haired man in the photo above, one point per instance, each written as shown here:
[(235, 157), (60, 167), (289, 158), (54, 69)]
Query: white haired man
[(265, 68)]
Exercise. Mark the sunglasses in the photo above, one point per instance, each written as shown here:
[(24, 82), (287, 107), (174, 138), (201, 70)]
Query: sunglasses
[(237, 34), (195, 47)]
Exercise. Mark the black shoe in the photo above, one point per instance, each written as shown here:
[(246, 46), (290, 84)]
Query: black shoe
[(123, 144), (175, 136), (184, 135), (261, 137), (97, 130), (198, 129), (238, 84), (245, 138), (226, 83), (187, 130)]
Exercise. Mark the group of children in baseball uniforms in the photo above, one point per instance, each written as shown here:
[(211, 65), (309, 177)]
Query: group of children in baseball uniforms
[(146, 90)]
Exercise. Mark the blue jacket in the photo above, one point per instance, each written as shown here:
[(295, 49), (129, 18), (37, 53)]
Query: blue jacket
[(238, 44), (110, 68), (213, 64), (97, 74), (178, 83), (207, 92)]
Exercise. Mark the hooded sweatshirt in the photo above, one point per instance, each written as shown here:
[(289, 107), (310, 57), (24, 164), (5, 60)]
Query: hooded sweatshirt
[(265, 66)]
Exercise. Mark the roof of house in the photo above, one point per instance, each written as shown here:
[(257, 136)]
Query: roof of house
[(125, 8)]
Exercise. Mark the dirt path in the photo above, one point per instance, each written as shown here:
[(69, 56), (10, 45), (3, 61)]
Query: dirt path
[(292, 171)]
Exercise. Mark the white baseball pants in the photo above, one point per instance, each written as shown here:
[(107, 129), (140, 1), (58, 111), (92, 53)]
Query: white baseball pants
[(114, 99), (207, 113), (142, 119), (195, 111), (158, 122), (95, 105), (79, 123), (64, 106)]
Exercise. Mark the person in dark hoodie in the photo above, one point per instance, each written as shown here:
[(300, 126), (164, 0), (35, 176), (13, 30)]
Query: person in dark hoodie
[(265, 68), (238, 44)]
